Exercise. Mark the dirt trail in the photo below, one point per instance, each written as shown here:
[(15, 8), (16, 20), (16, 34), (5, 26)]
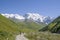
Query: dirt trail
[(21, 37)]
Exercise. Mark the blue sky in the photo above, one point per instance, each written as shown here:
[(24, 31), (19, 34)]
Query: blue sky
[(43, 7)]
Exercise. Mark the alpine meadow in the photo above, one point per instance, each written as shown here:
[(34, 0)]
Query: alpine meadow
[(29, 19)]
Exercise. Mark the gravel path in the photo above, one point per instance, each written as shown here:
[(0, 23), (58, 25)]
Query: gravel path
[(21, 37)]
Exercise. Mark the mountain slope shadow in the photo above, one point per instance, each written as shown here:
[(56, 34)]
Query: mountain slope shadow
[(53, 27)]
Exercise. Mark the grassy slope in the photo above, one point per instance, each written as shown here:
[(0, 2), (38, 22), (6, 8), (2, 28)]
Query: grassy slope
[(54, 26), (7, 28), (30, 26)]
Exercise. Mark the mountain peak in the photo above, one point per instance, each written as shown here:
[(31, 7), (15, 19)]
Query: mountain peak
[(36, 17), (39, 18)]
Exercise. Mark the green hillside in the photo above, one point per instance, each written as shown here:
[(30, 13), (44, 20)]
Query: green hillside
[(53, 26), (7, 29), (28, 26)]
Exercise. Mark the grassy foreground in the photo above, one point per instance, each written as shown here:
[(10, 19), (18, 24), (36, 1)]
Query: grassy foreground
[(43, 36)]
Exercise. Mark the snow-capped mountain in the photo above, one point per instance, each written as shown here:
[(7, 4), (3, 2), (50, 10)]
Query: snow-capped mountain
[(38, 18), (30, 16), (34, 16), (16, 16)]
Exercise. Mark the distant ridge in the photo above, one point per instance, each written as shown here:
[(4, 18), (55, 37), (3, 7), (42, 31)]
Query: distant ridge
[(30, 16)]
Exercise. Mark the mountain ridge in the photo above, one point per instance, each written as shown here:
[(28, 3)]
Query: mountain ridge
[(30, 16)]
